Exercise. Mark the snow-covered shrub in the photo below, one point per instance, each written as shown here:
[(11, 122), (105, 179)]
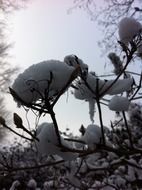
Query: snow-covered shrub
[(32, 184), (101, 157), (101, 87)]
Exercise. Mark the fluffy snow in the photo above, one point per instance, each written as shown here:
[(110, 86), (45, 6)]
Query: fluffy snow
[(48, 142), (15, 184), (32, 184), (73, 60), (92, 135), (128, 28), (44, 79), (119, 103), (83, 92), (120, 86)]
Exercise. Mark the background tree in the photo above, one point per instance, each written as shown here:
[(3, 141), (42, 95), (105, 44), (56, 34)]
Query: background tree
[(6, 69), (108, 13)]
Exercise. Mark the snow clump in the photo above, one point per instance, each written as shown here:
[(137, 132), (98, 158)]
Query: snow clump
[(32, 184), (46, 79), (15, 184), (48, 142), (92, 135), (98, 87), (128, 29), (73, 60), (119, 103)]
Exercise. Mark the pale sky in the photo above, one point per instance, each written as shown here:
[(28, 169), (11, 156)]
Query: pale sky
[(45, 30)]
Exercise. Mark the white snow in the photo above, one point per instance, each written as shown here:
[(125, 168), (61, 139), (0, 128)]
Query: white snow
[(48, 142), (32, 184), (128, 28), (14, 185), (73, 60), (119, 103), (46, 78), (83, 92), (92, 135)]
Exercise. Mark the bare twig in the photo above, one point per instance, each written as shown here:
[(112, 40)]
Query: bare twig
[(36, 107), (6, 126), (128, 130), (19, 124), (100, 111)]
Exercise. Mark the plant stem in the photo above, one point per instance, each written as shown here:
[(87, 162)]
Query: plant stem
[(101, 120), (52, 115), (128, 130)]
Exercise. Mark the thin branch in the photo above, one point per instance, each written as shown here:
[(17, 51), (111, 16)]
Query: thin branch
[(100, 112), (138, 88), (6, 126), (52, 115), (128, 130)]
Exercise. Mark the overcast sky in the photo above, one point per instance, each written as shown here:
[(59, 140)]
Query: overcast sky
[(45, 30)]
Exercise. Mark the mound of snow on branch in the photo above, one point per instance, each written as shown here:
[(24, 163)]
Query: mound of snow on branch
[(95, 87), (32, 184), (73, 60), (15, 185), (119, 103), (99, 87), (46, 79), (92, 135), (43, 79), (48, 142), (128, 29)]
